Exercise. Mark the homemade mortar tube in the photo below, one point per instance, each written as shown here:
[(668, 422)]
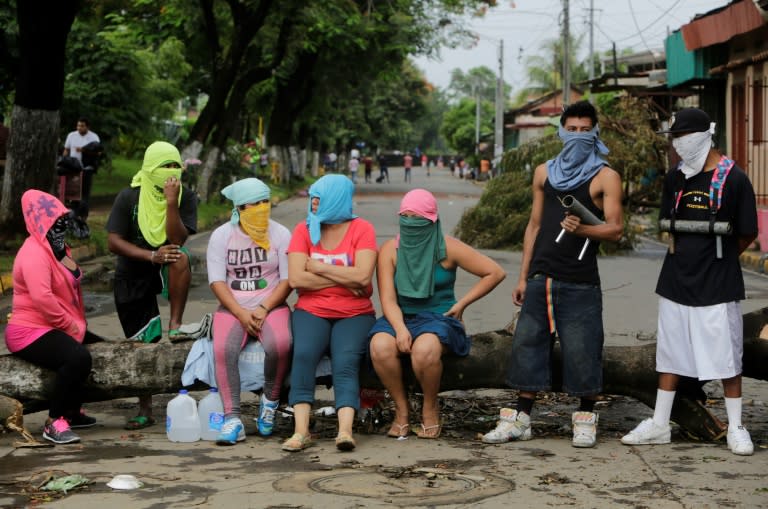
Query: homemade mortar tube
[(574, 206), (719, 228)]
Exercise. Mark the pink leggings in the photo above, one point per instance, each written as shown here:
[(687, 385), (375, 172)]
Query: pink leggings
[(229, 337)]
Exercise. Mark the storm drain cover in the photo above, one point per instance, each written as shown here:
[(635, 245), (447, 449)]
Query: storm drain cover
[(411, 487)]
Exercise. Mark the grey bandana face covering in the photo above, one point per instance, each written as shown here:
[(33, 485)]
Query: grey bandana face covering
[(56, 235)]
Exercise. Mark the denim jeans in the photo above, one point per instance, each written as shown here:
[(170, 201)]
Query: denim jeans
[(577, 310), (344, 339)]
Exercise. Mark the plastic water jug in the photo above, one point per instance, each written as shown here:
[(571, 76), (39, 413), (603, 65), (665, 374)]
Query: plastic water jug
[(211, 413), (181, 421)]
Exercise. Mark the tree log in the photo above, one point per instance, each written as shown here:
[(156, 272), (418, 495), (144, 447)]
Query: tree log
[(126, 368)]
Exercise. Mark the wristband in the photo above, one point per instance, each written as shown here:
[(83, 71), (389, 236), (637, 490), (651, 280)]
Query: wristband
[(265, 308)]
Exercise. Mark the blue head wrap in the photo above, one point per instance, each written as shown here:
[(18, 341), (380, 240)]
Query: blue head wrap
[(250, 190), (579, 160), (335, 193)]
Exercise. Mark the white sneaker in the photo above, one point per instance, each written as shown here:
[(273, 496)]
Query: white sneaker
[(739, 441), (584, 429), (648, 432), (511, 426)]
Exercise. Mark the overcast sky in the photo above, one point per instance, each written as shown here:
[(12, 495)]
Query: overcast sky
[(524, 25)]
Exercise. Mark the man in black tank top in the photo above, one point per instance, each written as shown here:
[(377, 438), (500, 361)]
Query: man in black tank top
[(559, 285)]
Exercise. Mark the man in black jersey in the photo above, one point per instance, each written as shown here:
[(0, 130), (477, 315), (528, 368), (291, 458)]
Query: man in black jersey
[(559, 285), (700, 284)]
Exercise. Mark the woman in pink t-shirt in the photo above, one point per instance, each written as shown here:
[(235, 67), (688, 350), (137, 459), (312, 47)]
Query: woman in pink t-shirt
[(331, 260)]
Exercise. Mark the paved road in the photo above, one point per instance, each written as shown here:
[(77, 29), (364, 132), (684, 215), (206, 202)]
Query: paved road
[(386, 473)]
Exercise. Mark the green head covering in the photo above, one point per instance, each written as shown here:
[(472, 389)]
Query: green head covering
[(151, 179), (421, 245)]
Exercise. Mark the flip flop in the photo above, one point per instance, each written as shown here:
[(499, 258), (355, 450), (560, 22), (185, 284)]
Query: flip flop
[(430, 432), (139, 422), (345, 442), (175, 336), (399, 430)]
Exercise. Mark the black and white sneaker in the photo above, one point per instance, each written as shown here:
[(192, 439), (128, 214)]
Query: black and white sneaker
[(59, 432)]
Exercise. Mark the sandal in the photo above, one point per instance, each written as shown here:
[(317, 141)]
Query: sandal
[(345, 442), (175, 336), (399, 430), (297, 442), (430, 432), (139, 422)]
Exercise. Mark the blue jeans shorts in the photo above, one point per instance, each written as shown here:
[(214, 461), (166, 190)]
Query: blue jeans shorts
[(573, 312)]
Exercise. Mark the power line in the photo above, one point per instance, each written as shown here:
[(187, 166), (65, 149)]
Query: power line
[(650, 24), (634, 20)]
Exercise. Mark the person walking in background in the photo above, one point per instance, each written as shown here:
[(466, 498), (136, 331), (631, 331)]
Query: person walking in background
[(368, 163), (331, 260), (407, 164), (422, 318), (700, 329), (248, 273), (559, 287), (354, 164), (47, 326), (147, 228), (383, 169)]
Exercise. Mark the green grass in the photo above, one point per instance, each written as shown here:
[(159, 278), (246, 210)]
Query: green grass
[(109, 181)]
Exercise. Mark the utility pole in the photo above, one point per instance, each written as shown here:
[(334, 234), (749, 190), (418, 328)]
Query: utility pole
[(566, 51), (591, 48), (498, 145)]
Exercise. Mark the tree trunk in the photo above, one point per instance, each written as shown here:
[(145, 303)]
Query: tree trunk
[(128, 368), (206, 172), (31, 162), (43, 31), (315, 163)]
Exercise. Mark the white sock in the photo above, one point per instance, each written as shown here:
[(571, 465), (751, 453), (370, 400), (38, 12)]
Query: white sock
[(663, 409), (733, 407)]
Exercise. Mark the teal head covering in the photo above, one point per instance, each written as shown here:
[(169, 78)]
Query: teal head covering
[(242, 192), (335, 194), (421, 245)]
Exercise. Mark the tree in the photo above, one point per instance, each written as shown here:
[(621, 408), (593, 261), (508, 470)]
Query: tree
[(459, 125), (478, 78), (44, 26), (545, 72)]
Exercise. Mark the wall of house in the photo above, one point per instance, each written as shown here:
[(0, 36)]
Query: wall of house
[(746, 103)]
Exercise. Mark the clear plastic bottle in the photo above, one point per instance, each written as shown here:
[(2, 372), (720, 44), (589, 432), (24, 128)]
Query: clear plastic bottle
[(211, 413), (181, 422)]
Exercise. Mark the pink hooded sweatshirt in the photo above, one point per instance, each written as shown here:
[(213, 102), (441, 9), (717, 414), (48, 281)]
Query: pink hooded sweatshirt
[(46, 295)]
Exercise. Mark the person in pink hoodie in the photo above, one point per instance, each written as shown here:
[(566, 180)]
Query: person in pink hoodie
[(47, 326)]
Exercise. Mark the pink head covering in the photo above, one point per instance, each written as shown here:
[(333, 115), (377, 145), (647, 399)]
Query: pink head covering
[(421, 202)]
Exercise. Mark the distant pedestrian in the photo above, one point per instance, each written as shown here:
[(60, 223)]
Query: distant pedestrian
[(407, 164), (354, 164), (383, 169), (368, 163)]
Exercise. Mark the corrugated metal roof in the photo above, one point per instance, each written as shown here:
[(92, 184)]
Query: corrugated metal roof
[(721, 25)]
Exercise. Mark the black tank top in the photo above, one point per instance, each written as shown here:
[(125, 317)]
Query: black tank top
[(561, 260)]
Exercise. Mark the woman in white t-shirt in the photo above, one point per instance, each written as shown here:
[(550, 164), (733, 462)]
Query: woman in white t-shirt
[(248, 273)]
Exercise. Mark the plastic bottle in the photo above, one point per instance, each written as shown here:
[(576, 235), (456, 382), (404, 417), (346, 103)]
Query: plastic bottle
[(211, 413), (182, 423)]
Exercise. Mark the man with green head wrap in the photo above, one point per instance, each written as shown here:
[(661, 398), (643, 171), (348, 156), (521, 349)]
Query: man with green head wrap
[(148, 225)]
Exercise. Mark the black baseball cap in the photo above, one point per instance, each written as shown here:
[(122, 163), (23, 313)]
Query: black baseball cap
[(688, 120)]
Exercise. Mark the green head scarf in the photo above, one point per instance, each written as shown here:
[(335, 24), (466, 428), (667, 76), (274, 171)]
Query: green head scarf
[(151, 179), (421, 245)]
